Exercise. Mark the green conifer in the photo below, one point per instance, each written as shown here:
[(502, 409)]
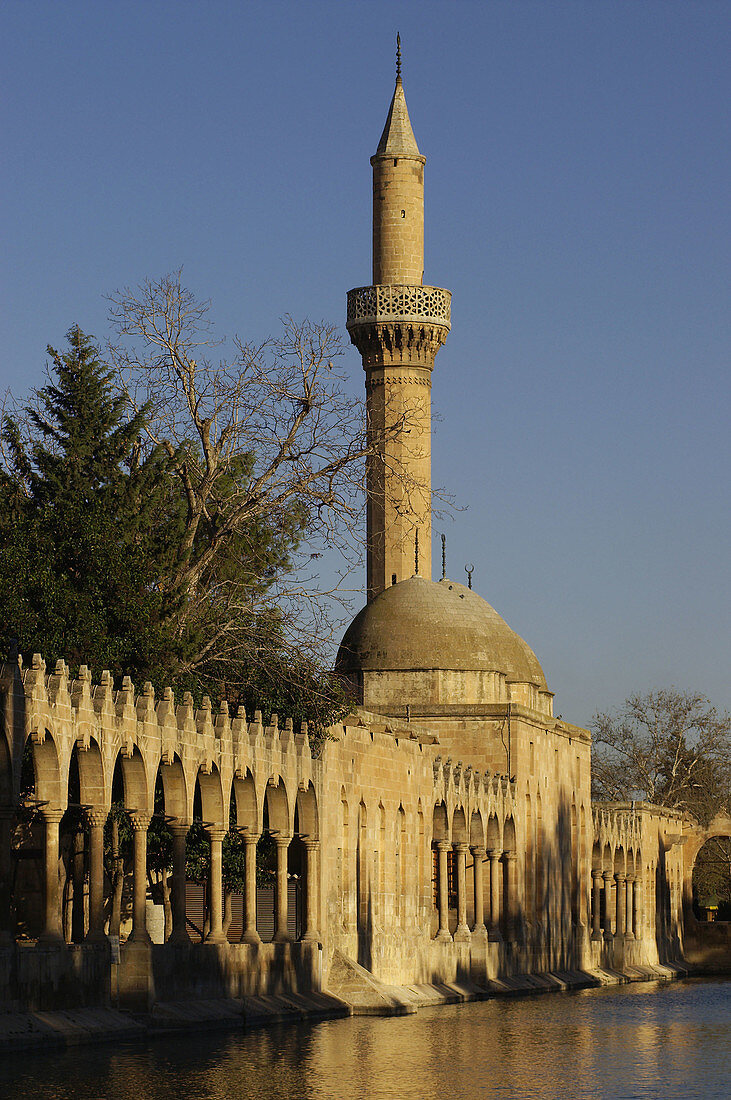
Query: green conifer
[(87, 525)]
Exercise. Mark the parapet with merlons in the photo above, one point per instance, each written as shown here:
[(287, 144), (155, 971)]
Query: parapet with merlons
[(59, 713)]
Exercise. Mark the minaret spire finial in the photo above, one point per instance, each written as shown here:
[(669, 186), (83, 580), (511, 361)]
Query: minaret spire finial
[(398, 56)]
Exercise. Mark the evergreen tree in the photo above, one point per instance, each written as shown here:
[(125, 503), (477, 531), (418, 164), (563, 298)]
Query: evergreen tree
[(86, 525)]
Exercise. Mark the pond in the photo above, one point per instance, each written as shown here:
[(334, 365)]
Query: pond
[(659, 1040)]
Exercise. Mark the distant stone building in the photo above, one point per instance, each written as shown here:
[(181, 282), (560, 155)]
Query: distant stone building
[(445, 834)]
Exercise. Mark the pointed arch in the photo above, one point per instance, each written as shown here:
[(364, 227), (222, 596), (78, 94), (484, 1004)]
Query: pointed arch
[(306, 808), (174, 789)]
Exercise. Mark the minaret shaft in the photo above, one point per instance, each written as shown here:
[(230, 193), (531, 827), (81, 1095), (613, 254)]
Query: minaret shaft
[(398, 326), (398, 220)]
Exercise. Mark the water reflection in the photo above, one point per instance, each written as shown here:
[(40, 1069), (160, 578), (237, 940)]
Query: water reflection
[(642, 1041)]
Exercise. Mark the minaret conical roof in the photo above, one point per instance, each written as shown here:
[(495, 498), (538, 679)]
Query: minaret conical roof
[(398, 137)]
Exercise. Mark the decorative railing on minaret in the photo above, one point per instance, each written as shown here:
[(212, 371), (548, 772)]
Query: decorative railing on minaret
[(398, 326)]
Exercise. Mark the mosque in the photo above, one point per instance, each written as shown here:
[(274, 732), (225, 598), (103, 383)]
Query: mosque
[(443, 840)]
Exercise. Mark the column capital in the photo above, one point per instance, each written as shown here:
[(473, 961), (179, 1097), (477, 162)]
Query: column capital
[(95, 817), (444, 846), (510, 857), (310, 844), (179, 828), (630, 877), (620, 876), (608, 876), (494, 853), (282, 841), (52, 817), (251, 838), (597, 873), (477, 850), (460, 846), (140, 821), (216, 832)]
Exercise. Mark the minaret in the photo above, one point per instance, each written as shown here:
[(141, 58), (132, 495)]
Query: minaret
[(398, 326)]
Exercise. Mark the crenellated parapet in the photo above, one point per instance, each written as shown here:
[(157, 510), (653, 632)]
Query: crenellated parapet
[(616, 829), (105, 724)]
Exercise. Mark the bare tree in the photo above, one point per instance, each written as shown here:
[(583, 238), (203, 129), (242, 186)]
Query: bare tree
[(712, 875), (270, 438), (667, 747)]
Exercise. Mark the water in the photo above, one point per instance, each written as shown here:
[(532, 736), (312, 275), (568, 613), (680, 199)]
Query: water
[(652, 1040)]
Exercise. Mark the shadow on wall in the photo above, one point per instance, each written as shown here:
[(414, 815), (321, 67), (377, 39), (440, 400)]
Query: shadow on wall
[(555, 927)]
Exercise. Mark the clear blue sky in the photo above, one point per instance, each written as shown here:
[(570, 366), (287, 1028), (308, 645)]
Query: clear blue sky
[(578, 191)]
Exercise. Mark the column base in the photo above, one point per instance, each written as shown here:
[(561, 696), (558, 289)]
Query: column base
[(140, 939), (97, 939), (310, 937), (250, 935), (495, 936), (443, 936), (462, 934), (179, 938), (282, 937), (479, 932), (216, 937), (596, 937)]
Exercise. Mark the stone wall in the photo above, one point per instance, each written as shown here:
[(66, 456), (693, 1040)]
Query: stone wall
[(425, 854)]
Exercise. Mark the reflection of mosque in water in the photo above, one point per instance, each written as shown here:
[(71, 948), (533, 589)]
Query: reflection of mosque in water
[(446, 833)]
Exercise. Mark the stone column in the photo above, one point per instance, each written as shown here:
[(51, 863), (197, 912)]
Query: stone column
[(608, 880), (596, 926), (250, 934), (7, 822), (462, 932), (312, 850), (52, 934), (443, 934), (281, 932), (215, 888), (621, 924), (494, 855), (637, 910), (140, 825), (478, 855), (96, 820), (179, 933)]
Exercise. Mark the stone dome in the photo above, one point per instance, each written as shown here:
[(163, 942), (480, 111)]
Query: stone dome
[(421, 624)]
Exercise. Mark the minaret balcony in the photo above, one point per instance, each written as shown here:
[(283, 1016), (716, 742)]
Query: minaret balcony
[(382, 304)]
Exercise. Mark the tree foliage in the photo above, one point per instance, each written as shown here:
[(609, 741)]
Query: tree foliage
[(86, 524), (667, 747), (161, 554)]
